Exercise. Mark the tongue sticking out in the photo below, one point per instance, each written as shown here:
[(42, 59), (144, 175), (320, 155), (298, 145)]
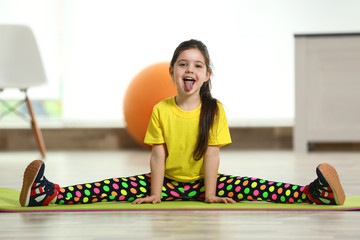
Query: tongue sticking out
[(189, 84)]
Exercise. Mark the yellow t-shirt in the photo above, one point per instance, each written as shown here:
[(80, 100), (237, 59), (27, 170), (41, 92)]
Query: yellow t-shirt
[(179, 130)]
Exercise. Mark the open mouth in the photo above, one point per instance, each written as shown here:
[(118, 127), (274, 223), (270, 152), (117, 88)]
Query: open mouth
[(189, 83)]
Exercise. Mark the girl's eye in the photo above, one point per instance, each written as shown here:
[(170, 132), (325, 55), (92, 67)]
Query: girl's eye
[(199, 66), (182, 64)]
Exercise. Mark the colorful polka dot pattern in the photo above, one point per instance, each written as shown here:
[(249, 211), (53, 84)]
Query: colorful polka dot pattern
[(115, 189), (254, 189), (173, 190), (130, 188)]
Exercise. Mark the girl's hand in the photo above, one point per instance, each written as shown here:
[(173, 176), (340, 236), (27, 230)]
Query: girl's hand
[(215, 199), (151, 199)]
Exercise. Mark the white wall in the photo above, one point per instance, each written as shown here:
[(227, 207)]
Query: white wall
[(105, 43), (43, 17)]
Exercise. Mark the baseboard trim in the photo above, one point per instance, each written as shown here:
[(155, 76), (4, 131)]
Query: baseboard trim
[(243, 138), (118, 138)]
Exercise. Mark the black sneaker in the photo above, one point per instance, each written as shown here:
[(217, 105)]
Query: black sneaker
[(326, 189), (36, 189)]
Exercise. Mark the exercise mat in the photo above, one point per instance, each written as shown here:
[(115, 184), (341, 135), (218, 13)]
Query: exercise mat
[(9, 202)]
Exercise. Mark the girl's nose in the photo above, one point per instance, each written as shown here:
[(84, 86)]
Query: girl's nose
[(189, 69)]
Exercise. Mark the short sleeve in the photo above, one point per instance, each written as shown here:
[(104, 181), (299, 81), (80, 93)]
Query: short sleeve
[(154, 133), (219, 133)]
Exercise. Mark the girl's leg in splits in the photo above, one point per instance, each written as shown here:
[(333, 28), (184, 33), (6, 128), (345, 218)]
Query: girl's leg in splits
[(113, 189), (254, 189), (325, 189), (38, 191)]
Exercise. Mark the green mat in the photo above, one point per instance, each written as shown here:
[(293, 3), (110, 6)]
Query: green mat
[(9, 203)]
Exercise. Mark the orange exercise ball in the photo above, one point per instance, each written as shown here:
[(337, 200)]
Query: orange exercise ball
[(148, 87)]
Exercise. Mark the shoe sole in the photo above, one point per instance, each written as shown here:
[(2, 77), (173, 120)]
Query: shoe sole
[(331, 176), (29, 177)]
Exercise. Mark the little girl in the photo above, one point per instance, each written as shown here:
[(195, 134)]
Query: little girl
[(186, 133)]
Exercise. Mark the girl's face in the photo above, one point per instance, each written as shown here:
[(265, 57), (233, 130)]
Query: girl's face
[(189, 72)]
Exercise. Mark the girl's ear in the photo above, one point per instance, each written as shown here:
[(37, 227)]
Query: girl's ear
[(208, 75), (171, 71)]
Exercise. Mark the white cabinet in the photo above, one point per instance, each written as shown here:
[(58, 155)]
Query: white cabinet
[(327, 89)]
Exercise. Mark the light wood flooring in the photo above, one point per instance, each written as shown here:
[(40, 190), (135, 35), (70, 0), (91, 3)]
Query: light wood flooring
[(68, 168)]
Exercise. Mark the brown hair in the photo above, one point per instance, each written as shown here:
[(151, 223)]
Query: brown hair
[(209, 104)]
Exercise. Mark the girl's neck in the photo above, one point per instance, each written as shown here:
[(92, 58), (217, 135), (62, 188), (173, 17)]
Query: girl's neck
[(188, 103)]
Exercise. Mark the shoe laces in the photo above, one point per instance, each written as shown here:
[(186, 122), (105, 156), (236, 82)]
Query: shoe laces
[(316, 187), (47, 185)]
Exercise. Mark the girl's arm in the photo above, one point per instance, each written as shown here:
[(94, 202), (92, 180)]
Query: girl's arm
[(157, 166), (211, 161)]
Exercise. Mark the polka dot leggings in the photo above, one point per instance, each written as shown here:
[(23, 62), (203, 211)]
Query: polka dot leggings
[(130, 188)]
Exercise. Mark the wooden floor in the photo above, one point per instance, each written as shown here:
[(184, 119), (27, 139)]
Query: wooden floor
[(67, 168)]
